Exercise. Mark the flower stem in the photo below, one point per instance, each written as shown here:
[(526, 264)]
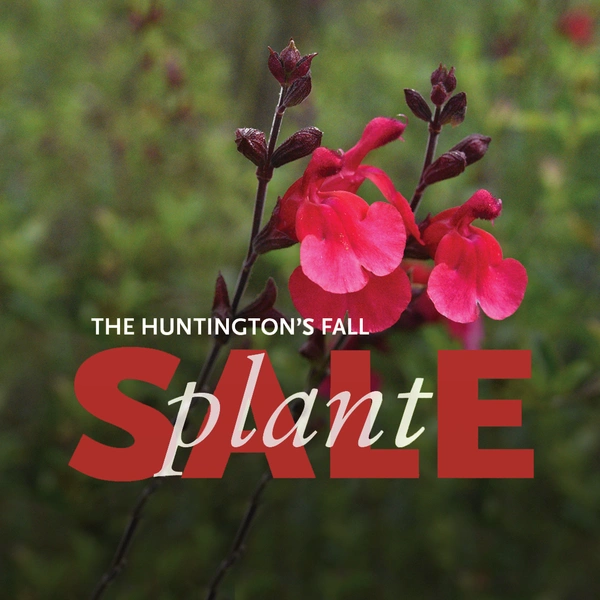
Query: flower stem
[(434, 132), (239, 542), (263, 175)]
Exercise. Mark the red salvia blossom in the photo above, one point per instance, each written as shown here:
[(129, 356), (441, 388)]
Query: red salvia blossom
[(469, 268), (350, 251), (422, 310)]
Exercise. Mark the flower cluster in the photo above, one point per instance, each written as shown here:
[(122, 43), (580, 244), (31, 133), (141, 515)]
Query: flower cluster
[(352, 254), (350, 251)]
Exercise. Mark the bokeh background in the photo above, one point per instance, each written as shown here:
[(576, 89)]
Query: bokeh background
[(122, 194)]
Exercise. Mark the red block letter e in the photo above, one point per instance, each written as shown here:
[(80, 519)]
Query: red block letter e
[(461, 413)]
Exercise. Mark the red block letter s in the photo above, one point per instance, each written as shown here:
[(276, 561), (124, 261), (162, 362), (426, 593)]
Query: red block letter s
[(96, 388)]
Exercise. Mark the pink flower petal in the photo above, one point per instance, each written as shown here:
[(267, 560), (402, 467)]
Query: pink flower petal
[(313, 302), (377, 235), (379, 304), (501, 288), (452, 284), (326, 253), (501, 282), (344, 235)]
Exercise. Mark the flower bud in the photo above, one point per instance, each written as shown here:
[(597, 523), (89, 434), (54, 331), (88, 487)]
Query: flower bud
[(297, 92), (314, 348), (262, 306), (438, 75), (252, 144), (271, 238), (474, 147), (221, 308), (274, 235), (299, 145), (442, 76), (450, 81), (417, 105), (289, 66), (289, 57), (455, 110), (448, 165), (439, 95)]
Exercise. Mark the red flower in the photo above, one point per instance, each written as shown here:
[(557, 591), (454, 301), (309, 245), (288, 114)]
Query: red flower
[(469, 267), (578, 26), (422, 310), (350, 251)]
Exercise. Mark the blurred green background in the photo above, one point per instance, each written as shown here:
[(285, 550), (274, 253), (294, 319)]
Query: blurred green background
[(122, 194)]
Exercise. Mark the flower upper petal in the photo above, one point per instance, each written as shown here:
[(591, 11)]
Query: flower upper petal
[(343, 234), (386, 187), (326, 254), (378, 132)]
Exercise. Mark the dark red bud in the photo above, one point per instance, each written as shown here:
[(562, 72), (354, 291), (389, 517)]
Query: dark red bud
[(301, 144), (276, 66), (289, 57), (448, 165), (271, 237), (252, 144), (445, 77), (474, 147), (297, 92), (313, 348), (289, 65), (455, 110), (439, 95), (278, 233), (221, 307), (303, 66), (450, 81), (262, 304), (439, 75), (417, 105)]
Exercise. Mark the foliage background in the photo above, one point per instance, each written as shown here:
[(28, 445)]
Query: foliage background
[(122, 194)]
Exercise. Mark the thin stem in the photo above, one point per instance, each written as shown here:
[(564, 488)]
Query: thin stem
[(264, 176), (238, 545), (434, 132), (120, 558), (237, 548)]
